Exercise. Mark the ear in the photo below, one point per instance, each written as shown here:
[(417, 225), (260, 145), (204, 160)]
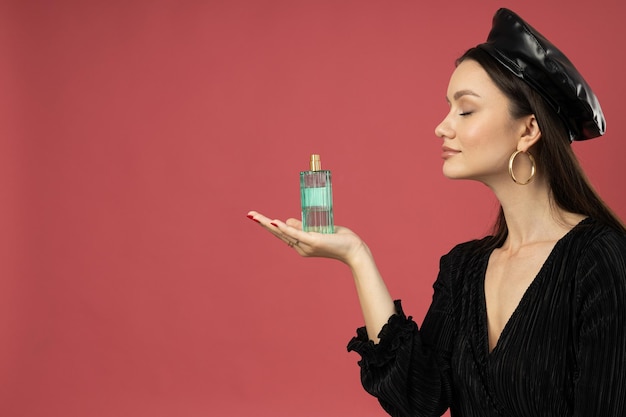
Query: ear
[(529, 133)]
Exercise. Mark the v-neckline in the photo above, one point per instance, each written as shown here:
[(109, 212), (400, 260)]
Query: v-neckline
[(516, 312), (524, 300)]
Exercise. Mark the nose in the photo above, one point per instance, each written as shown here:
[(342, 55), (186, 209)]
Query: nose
[(444, 129)]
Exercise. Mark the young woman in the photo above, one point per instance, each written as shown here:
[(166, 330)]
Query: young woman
[(530, 321)]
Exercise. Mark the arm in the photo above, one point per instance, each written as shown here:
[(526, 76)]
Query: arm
[(344, 245), (409, 370), (600, 389), (376, 303), (408, 376)]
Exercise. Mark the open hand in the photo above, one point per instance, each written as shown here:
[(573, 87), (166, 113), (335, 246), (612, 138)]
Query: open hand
[(343, 245)]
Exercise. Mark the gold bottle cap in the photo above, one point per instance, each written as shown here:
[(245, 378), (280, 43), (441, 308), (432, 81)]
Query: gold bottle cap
[(316, 163)]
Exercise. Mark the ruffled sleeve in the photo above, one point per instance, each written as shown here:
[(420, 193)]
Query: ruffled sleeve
[(399, 370), (397, 333), (409, 369)]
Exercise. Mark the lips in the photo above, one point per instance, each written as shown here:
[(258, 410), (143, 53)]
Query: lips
[(448, 152)]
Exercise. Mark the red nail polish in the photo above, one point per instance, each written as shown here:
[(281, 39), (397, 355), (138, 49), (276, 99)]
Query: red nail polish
[(252, 218)]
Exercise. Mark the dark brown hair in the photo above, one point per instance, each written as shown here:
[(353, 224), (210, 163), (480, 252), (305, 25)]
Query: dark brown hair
[(570, 189)]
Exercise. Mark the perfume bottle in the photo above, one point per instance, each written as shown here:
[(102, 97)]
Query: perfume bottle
[(316, 195)]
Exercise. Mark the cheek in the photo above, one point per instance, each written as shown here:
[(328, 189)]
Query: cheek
[(476, 136), (486, 137), (486, 147)]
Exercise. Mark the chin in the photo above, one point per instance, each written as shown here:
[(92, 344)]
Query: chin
[(452, 175)]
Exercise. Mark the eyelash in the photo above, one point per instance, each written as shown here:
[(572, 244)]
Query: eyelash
[(467, 113)]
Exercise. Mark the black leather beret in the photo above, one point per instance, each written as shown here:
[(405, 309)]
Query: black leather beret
[(531, 57)]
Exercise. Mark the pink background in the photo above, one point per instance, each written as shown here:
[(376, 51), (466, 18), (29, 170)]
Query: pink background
[(135, 137)]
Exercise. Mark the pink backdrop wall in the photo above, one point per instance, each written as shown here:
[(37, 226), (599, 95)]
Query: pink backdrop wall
[(137, 134)]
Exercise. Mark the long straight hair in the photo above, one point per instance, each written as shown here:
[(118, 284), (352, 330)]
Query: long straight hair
[(569, 187)]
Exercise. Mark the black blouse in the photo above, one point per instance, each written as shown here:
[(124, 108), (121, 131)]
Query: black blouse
[(562, 352)]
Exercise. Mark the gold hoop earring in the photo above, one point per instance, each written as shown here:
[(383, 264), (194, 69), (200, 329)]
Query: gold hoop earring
[(533, 167)]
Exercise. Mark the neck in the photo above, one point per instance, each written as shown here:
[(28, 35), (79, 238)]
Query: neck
[(531, 214)]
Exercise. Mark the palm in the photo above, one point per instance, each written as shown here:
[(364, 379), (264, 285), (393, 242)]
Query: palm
[(340, 245)]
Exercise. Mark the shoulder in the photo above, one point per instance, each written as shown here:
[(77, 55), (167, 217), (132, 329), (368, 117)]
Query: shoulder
[(470, 248), (463, 253), (598, 253), (462, 267), (597, 243)]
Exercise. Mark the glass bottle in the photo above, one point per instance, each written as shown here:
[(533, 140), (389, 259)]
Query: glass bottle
[(316, 195)]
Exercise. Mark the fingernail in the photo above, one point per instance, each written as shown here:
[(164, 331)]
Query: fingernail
[(252, 218), (274, 224)]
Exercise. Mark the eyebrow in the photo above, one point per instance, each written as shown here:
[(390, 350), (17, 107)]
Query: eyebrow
[(462, 93)]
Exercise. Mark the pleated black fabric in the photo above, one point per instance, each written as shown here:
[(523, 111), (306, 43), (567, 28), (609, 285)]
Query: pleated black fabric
[(562, 353)]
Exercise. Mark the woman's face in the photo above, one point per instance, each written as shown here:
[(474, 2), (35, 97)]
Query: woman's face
[(479, 135)]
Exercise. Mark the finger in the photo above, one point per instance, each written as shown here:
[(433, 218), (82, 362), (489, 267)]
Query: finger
[(268, 224), (295, 223), (285, 233), (252, 215), (261, 219), (256, 216), (293, 243), (292, 234)]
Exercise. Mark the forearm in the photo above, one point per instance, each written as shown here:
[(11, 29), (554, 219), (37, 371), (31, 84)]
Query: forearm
[(347, 247), (376, 302)]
